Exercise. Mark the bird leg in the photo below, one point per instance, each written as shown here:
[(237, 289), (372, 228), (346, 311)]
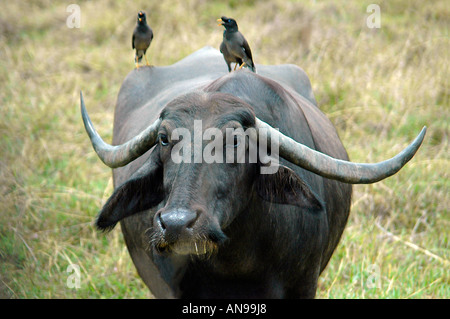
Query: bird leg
[(235, 66), (136, 61), (145, 56), (242, 65)]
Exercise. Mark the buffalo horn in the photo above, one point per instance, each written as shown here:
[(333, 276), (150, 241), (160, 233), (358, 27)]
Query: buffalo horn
[(120, 155), (329, 167)]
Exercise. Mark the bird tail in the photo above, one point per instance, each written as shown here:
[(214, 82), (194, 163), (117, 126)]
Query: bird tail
[(249, 64), (252, 67)]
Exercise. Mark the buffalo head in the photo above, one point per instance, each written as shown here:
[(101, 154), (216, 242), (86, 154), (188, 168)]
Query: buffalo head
[(199, 197)]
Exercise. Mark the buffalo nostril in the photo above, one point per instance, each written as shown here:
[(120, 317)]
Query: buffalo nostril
[(160, 220), (192, 222)]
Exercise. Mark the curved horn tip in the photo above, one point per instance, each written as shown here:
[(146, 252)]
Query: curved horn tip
[(420, 137), (424, 130), (83, 106), (86, 119), (81, 97)]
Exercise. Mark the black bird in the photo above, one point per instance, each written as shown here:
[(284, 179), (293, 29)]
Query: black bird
[(142, 37), (235, 47)]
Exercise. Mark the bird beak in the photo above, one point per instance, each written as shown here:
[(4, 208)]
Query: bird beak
[(140, 19), (221, 22)]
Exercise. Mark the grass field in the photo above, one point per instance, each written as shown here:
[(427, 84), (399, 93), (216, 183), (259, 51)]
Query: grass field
[(378, 86)]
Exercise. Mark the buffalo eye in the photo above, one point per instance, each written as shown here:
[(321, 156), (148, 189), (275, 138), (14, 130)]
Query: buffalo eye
[(163, 139)]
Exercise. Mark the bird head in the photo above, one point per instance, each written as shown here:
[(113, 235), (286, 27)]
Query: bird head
[(141, 18), (229, 23)]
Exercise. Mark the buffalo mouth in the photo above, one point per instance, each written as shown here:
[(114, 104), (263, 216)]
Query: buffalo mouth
[(205, 244), (200, 247)]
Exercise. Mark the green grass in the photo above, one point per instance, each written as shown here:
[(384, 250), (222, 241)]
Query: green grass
[(378, 86)]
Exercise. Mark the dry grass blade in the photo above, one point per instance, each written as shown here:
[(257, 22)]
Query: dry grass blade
[(413, 246)]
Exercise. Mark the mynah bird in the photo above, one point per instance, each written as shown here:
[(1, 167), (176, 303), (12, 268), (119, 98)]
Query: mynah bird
[(142, 37), (235, 47)]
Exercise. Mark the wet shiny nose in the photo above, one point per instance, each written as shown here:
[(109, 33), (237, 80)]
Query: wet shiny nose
[(176, 223)]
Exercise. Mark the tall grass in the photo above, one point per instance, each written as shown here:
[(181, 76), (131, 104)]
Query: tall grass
[(378, 86)]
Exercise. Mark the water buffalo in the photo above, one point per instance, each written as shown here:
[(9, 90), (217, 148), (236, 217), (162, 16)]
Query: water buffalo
[(204, 230)]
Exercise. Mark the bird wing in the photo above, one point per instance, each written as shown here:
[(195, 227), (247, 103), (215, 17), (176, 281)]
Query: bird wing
[(132, 41), (247, 50), (223, 48)]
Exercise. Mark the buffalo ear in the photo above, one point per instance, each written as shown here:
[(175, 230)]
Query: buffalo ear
[(286, 187), (142, 191)]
